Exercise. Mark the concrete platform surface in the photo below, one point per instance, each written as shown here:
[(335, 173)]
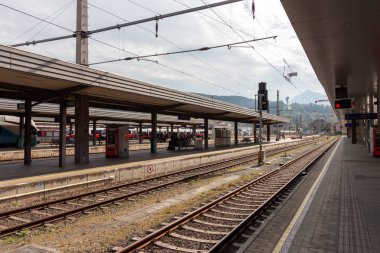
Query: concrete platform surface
[(16, 169), (44, 178), (340, 214)]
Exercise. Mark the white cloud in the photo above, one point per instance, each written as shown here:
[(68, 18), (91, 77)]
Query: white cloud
[(237, 68)]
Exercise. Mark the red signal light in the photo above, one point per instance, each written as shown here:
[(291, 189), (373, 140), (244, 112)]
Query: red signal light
[(343, 103)]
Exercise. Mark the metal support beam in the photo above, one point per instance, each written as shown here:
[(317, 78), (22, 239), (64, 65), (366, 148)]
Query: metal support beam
[(236, 133), (81, 130), (206, 132), (153, 140), (20, 135), (254, 132), (353, 132), (171, 128), (28, 132), (140, 133), (62, 133), (94, 133), (268, 132)]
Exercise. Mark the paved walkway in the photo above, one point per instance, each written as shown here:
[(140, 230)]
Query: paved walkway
[(342, 214)]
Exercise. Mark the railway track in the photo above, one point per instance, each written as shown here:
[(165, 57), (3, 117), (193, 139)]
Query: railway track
[(45, 213), (211, 227)]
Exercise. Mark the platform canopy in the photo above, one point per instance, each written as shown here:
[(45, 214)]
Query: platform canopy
[(9, 107), (44, 79), (342, 41)]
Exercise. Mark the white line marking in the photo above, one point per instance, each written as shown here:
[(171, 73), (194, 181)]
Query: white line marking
[(287, 237)]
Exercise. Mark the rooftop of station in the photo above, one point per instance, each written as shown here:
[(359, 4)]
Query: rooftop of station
[(341, 41), (45, 79), (9, 107)]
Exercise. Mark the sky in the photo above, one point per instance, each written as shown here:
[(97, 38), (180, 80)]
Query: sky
[(223, 71)]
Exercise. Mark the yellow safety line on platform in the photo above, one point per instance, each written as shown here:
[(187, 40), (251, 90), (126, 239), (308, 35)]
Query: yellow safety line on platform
[(285, 236)]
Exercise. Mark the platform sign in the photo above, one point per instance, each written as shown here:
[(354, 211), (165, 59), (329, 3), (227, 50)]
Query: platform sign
[(183, 117), (349, 116), (150, 169)]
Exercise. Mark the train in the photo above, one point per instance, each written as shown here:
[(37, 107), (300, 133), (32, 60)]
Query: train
[(9, 132)]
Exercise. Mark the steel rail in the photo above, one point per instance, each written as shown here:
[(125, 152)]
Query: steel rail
[(240, 160), (263, 207), (149, 239)]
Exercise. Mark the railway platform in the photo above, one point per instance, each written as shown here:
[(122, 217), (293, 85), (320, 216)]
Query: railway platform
[(44, 177), (335, 209)]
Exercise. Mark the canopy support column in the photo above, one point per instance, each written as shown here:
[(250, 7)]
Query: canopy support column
[(62, 133), (81, 130), (206, 132), (153, 140), (236, 133), (140, 133), (94, 133), (28, 132)]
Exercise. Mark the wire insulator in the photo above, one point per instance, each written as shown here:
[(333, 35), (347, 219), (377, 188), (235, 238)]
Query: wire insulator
[(253, 9), (156, 27)]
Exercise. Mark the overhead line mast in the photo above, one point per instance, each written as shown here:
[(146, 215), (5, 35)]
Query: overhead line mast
[(118, 26)]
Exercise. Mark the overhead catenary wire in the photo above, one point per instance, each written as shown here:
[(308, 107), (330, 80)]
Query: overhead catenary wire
[(32, 16), (57, 13), (264, 58), (160, 64), (132, 23), (172, 68), (179, 47), (229, 45)]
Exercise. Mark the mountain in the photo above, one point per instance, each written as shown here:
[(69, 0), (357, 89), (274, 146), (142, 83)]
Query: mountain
[(236, 100), (306, 96), (309, 111)]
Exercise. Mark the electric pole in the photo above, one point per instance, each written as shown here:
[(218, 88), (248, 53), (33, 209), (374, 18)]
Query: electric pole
[(81, 33), (81, 101)]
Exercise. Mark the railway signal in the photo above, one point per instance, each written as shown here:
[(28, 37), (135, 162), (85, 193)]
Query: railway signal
[(343, 104)]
